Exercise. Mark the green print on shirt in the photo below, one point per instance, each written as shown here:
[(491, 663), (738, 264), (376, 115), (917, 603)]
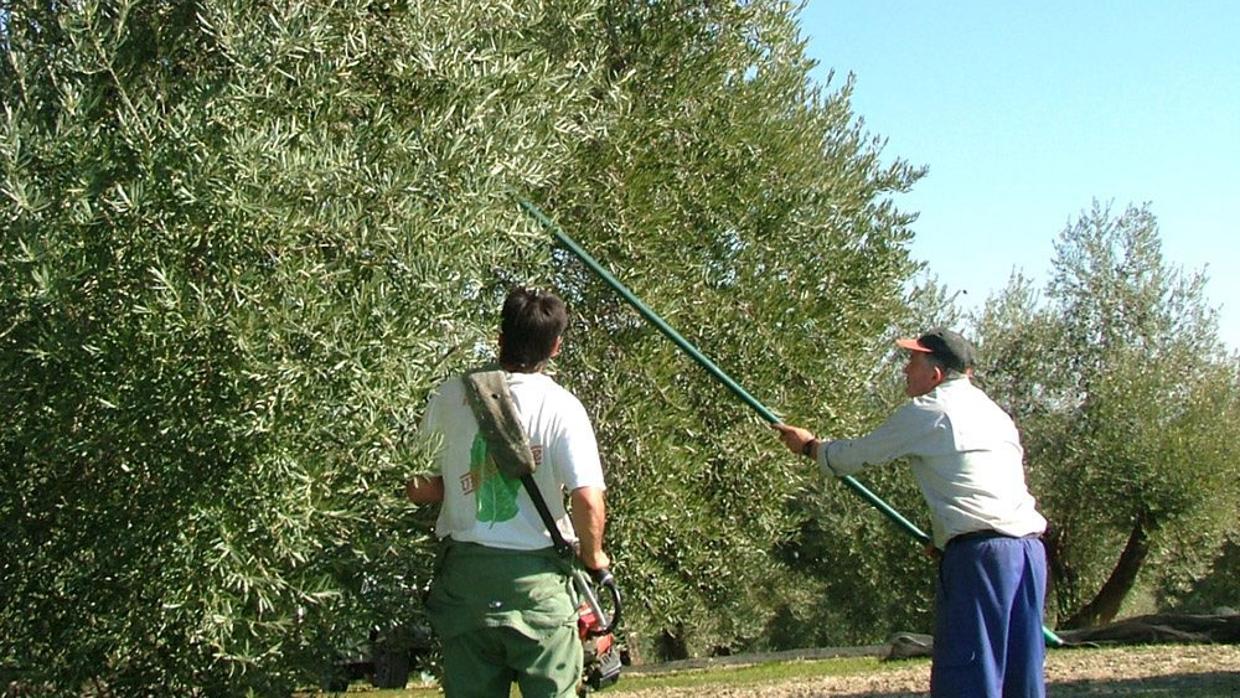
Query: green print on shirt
[(496, 495)]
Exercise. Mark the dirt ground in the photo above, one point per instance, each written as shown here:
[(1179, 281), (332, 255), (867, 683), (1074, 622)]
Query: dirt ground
[(1172, 670)]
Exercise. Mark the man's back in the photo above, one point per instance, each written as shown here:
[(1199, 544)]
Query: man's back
[(968, 463), (480, 504)]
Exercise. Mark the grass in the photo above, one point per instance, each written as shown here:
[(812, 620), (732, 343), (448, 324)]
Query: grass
[(755, 674), (1223, 683), (730, 676)]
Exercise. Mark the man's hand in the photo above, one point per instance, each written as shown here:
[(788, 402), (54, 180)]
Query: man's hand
[(594, 560), (794, 438), (424, 489)]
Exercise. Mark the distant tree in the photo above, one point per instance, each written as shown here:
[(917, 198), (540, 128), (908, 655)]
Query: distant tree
[(1213, 588), (1127, 403)]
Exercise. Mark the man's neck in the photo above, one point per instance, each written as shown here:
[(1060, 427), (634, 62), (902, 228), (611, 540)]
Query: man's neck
[(522, 369)]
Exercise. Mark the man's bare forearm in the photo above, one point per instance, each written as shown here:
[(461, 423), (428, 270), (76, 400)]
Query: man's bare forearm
[(589, 513)]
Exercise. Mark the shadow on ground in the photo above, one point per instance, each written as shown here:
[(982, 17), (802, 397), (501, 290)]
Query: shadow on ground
[(1214, 684)]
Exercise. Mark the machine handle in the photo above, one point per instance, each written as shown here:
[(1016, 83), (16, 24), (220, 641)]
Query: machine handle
[(586, 587)]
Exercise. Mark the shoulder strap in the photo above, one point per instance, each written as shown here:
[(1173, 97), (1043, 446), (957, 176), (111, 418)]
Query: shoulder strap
[(491, 402), (488, 395), (561, 546)]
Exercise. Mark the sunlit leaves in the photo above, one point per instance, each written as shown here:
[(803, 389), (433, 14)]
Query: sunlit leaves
[(750, 210), (243, 240), (241, 243), (1125, 398)]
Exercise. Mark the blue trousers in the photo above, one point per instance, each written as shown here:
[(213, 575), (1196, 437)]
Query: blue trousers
[(988, 619)]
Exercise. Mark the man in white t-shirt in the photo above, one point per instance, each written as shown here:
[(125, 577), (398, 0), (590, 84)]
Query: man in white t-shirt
[(966, 456), (502, 601)]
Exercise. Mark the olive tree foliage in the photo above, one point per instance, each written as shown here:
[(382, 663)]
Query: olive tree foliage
[(1127, 404), (1215, 589), (871, 577), (241, 240), (751, 209)]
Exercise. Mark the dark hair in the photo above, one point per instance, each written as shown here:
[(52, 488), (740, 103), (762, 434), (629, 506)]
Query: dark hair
[(530, 322), (948, 367), (951, 350)]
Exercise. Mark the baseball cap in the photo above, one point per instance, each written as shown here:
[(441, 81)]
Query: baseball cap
[(949, 347)]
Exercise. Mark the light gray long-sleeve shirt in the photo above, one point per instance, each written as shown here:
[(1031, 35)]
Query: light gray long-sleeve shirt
[(964, 452)]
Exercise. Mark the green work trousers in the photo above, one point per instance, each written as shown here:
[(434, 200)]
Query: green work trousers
[(505, 616)]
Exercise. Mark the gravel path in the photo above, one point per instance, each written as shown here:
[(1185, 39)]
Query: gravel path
[(1173, 670)]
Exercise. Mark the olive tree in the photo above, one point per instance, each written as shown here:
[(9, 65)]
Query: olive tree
[(752, 210), (241, 240), (1126, 400)]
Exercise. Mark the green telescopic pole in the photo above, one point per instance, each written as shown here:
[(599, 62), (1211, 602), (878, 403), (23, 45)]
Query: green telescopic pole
[(710, 366), (701, 359)]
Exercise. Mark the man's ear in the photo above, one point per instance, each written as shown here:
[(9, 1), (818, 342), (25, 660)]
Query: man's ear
[(555, 348)]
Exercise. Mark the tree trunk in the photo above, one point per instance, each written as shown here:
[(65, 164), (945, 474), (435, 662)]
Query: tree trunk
[(1105, 606), (1060, 575)]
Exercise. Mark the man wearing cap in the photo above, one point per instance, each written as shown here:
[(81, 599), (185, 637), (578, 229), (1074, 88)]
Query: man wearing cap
[(965, 453)]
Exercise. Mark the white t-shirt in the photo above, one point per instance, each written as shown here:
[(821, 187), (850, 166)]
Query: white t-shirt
[(965, 454), (480, 504)]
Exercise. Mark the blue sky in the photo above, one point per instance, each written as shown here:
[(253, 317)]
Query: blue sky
[(1027, 111)]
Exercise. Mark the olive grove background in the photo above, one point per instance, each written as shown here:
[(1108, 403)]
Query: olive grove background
[(243, 240), (1127, 402)]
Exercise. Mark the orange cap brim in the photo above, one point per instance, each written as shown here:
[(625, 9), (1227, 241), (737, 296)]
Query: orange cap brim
[(912, 345)]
